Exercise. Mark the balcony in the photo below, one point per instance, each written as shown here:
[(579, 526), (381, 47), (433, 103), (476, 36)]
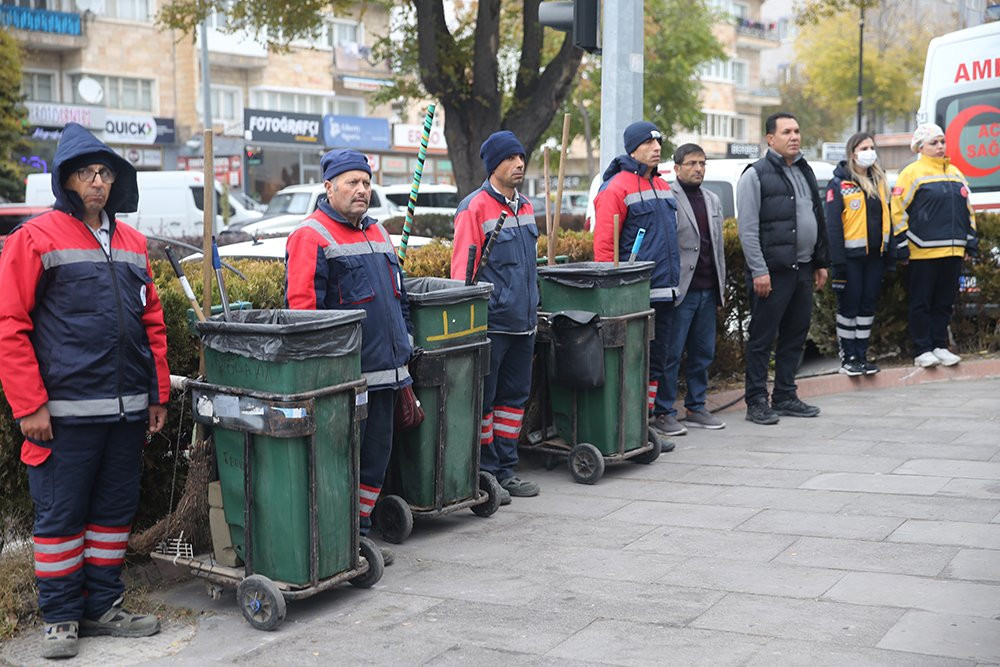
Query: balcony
[(756, 35), (44, 30), (758, 97)]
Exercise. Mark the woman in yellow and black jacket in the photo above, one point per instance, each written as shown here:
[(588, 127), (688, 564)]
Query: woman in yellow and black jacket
[(936, 228), (861, 248)]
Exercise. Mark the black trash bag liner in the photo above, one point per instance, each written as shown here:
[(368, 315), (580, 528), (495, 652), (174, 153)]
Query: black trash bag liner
[(577, 349), (443, 291), (284, 335), (587, 275)]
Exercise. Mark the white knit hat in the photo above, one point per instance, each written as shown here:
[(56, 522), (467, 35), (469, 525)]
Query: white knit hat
[(924, 132)]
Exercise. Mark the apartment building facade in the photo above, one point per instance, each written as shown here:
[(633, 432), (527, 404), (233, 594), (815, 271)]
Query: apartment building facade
[(109, 66)]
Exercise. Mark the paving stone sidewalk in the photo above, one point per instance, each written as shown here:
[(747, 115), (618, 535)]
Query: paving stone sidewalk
[(867, 536)]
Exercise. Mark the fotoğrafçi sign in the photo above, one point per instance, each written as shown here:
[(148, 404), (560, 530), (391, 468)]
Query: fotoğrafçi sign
[(282, 127)]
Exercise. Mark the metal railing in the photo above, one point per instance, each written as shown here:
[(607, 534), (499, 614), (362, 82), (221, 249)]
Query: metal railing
[(40, 20)]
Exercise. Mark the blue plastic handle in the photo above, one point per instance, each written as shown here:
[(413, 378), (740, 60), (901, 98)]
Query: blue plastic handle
[(216, 261), (636, 245)]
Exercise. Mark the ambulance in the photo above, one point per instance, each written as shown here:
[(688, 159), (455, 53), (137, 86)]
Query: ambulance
[(961, 93)]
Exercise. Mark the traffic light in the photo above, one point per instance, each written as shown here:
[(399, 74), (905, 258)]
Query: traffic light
[(255, 155), (582, 18)]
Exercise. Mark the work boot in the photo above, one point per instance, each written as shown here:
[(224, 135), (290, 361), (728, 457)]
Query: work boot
[(759, 412), (504, 496), (388, 556), (667, 425), (60, 639), (702, 418), (793, 407), (117, 622), (516, 486)]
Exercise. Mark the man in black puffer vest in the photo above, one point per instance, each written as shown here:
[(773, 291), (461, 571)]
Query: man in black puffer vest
[(783, 233)]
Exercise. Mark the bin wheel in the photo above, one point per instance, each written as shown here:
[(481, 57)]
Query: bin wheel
[(392, 518), (376, 566), (551, 461), (654, 453), (586, 463), (261, 602), (491, 486)]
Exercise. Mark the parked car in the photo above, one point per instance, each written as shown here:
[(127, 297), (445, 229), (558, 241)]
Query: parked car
[(273, 248), (439, 199), (574, 202), (12, 215), (171, 203), (293, 204), (721, 177)]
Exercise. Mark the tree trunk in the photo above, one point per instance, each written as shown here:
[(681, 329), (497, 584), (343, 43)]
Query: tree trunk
[(191, 513)]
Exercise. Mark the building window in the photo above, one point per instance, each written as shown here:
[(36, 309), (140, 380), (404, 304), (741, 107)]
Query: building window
[(719, 126), (119, 92), (38, 86), (739, 129), (341, 33), (278, 100), (740, 72), (129, 10), (227, 103), (735, 9), (348, 106)]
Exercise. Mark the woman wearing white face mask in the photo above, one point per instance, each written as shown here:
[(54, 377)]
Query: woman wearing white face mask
[(861, 248)]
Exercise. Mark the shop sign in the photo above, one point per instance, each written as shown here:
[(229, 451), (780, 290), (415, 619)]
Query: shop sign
[(394, 165), (283, 127), (142, 157), (45, 114), (365, 84), (408, 136), (738, 150), (355, 132)]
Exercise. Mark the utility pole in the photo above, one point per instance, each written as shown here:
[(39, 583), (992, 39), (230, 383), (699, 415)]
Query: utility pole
[(861, 65), (206, 83), (621, 73)]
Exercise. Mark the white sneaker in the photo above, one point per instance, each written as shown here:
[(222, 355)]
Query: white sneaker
[(926, 360), (946, 356)]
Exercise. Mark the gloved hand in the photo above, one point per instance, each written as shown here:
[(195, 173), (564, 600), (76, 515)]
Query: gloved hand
[(838, 277)]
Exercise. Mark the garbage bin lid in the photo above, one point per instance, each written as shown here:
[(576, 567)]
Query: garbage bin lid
[(597, 274), (430, 291), (282, 335)]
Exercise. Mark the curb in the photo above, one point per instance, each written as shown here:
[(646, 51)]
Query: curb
[(889, 378)]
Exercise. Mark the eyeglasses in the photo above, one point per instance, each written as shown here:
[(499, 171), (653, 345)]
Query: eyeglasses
[(88, 175), (696, 163)]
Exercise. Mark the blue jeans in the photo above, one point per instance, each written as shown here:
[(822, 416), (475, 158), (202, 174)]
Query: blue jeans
[(693, 330)]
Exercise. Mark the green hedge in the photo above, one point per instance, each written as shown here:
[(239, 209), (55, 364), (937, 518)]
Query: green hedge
[(264, 288)]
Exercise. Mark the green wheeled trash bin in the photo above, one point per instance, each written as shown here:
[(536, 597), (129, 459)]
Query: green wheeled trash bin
[(284, 397), (434, 468), (595, 324)]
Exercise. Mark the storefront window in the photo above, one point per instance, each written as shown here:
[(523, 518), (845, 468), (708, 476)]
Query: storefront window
[(278, 169)]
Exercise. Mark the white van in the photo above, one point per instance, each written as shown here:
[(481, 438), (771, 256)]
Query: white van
[(170, 202), (431, 199), (721, 177), (961, 93)]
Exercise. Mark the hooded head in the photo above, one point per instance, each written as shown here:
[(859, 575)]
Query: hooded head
[(78, 148), (498, 147)]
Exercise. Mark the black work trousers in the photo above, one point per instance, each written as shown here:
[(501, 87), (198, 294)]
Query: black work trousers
[(933, 288), (784, 316)]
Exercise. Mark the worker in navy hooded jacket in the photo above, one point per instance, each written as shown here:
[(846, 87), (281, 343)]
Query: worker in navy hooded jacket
[(340, 259), (84, 368), (634, 191), (513, 303)]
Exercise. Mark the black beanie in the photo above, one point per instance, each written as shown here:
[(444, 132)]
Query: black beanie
[(639, 133), (498, 147)]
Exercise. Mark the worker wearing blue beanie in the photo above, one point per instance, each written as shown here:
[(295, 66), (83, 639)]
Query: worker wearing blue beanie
[(513, 303)]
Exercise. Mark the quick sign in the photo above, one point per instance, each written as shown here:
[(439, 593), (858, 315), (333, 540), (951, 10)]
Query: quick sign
[(142, 130), (282, 127), (355, 132)]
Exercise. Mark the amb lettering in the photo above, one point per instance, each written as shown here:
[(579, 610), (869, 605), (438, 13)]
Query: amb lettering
[(978, 70)]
